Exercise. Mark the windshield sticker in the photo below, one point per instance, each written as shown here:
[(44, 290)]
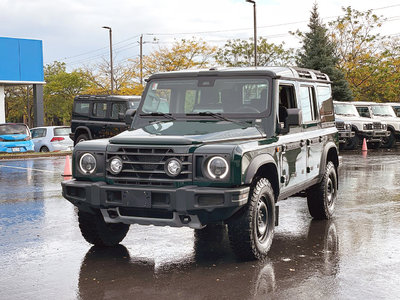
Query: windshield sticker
[(154, 86)]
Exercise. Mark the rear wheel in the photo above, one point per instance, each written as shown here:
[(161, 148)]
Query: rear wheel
[(44, 149), (82, 137), (97, 232), (321, 198), (251, 230)]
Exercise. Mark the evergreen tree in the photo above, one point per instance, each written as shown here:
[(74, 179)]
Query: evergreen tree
[(318, 53)]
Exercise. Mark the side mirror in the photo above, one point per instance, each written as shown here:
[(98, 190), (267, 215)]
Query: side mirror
[(293, 118), (129, 114)]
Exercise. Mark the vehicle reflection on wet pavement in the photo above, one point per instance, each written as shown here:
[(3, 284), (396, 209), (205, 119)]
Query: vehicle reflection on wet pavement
[(352, 256)]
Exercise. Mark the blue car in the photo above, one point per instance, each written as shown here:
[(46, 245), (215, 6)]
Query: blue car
[(15, 138)]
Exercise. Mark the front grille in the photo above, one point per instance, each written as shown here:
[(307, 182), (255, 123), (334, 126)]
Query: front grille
[(377, 125), (369, 126), (145, 166)]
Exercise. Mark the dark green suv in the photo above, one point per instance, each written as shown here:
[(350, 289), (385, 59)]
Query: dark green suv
[(212, 148)]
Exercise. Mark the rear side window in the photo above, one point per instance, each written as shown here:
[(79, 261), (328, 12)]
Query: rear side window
[(63, 131), (325, 103), (116, 109), (38, 133), (308, 105), (82, 108), (99, 109)]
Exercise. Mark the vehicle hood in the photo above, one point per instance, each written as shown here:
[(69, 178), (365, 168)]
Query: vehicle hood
[(13, 137), (387, 119), (353, 119), (186, 133)]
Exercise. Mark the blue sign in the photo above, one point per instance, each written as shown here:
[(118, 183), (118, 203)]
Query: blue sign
[(21, 61)]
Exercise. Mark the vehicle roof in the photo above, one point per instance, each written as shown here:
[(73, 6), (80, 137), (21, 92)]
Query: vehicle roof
[(369, 103), (109, 97), (13, 124), (51, 127), (274, 72), (343, 102)]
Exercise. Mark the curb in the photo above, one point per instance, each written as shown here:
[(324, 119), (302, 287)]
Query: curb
[(29, 155)]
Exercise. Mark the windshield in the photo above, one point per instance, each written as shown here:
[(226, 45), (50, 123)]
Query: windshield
[(62, 131), (213, 95), (383, 110), (345, 109), (6, 129)]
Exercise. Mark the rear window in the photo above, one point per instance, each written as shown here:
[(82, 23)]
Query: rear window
[(13, 129), (63, 131), (82, 108)]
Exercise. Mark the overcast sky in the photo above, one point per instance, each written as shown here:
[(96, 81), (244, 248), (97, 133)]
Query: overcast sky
[(71, 29)]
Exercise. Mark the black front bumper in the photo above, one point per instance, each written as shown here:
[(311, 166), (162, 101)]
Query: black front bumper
[(191, 206)]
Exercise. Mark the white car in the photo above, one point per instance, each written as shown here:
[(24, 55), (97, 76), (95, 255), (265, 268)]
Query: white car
[(52, 138)]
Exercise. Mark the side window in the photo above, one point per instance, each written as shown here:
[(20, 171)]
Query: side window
[(99, 109), (307, 102), (325, 103), (397, 110), (117, 108), (363, 111), (82, 108), (286, 101), (34, 133)]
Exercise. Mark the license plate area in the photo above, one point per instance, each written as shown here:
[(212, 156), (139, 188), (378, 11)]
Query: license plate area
[(16, 149), (137, 199)]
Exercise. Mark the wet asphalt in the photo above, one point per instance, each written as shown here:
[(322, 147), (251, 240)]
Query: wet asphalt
[(353, 256)]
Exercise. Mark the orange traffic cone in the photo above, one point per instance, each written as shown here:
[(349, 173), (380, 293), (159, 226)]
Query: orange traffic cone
[(67, 167), (364, 145)]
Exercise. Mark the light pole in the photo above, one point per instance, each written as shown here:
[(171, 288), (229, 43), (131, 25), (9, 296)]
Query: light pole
[(111, 59), (255, 31)]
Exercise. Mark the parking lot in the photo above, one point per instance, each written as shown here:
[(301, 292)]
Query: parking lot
[(353, 256)]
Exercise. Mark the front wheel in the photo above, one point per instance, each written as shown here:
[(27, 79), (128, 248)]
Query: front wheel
[(251, 230), (352, 143), (321, 198), (388, 141), (97, 232)]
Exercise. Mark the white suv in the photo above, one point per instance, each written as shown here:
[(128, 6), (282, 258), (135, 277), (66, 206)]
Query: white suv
[(384, 113), (373, 131)]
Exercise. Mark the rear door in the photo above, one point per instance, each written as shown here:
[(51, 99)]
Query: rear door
[(99, 119), (116, 125)]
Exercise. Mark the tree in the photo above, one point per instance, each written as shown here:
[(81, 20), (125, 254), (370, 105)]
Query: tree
[(240, 53), (59, 92), (318, 53), (370, 62)]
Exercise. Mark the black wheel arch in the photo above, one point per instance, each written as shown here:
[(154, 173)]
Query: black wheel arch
[(330, 153), (264, 166), (82, 130)]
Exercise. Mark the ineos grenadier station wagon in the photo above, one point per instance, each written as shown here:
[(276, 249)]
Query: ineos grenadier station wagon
[(212, 148), (100, 116), (374, 132)]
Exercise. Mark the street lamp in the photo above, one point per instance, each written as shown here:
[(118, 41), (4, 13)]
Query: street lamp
[(255, 31), (111, 59)]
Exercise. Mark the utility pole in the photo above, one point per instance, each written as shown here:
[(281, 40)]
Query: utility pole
[(141, 59), (111, 59), (255, 30)]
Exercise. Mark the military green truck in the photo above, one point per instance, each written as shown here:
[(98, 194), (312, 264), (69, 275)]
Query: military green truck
[(212, 148)]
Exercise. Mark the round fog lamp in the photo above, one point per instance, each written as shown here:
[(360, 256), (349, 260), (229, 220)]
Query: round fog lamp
[(173, 167), (87, 163), (116, 165), (217, 167)]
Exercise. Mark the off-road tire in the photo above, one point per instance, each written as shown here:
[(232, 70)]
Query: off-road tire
[(82, 137), (352, 143), (388, 142), (44, 149), (374, 145), (248, 237), (321, 197), (99, 233)]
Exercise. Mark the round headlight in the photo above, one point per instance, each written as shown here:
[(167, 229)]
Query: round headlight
[(116, 165), (173, 167), (87, 163), (217, 167)]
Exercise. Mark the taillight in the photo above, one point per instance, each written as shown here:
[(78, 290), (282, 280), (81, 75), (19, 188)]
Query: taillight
[(27, 138), (57, 139), (1, 139)]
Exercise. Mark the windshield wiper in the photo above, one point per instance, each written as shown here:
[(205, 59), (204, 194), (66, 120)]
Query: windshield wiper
[(160, 114), (222, 118)]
